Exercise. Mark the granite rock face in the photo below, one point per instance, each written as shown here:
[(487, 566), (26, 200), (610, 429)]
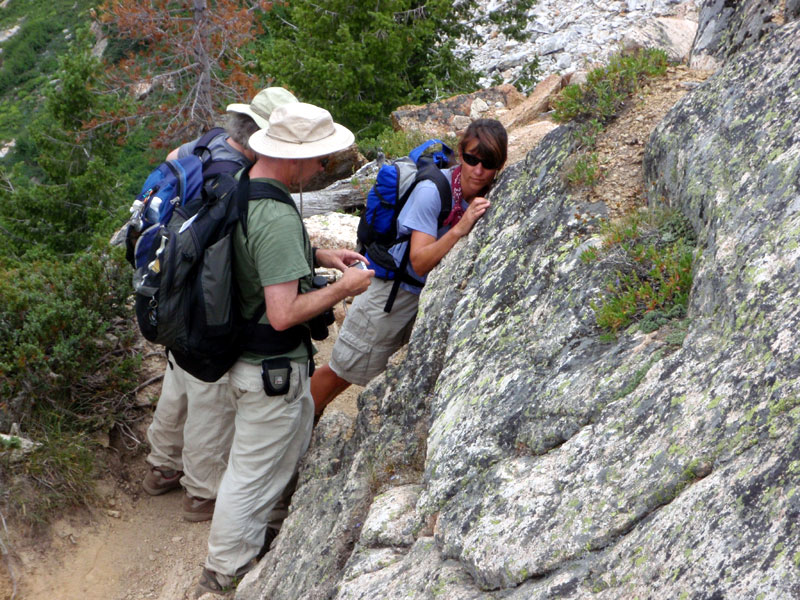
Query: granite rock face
[(726, 27), (514, 454)]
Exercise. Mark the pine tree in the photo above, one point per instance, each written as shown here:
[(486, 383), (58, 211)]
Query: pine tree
[(64, 188), (362, 61)]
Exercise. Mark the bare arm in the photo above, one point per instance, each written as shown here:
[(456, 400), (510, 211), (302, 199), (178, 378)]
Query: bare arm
[(426, 251), (173, 154), (286, 308)]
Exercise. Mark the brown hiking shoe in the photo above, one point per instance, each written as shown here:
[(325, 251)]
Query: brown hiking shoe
[(197, 509), (212, 582), (160, 480)]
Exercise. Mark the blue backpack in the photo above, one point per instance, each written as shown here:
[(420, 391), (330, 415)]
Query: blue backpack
[(173, 183), (377, 229), (179, 242)]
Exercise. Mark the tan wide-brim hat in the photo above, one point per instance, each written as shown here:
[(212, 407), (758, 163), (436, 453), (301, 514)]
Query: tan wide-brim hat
[(263, 104), (300, 130)]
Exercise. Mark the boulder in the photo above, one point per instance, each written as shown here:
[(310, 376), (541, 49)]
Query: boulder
[(341, 165), (441, 118), (725, 28), (673, 35), (332, 230), (537, 102), (550, 462)]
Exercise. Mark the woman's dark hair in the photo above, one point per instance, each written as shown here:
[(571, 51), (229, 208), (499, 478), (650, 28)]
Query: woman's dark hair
[(240, 127), (491, 137)]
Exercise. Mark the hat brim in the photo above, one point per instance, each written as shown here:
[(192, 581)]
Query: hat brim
[(341, 139), (246, 110)]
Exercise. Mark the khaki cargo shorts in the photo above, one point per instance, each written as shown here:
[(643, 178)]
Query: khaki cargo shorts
[(369, 336)]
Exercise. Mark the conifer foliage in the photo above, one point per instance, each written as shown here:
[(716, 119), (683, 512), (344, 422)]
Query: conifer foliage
[(363, 60)]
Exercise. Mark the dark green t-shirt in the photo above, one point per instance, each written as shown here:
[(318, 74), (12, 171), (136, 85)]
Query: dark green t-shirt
[(276, 250)]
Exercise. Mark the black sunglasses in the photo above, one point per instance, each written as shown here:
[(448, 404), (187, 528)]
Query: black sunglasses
[(473, 161)]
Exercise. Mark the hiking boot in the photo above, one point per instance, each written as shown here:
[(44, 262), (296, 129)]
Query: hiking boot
[(269, 537), (160, 480), (197, 509), (212, 582)]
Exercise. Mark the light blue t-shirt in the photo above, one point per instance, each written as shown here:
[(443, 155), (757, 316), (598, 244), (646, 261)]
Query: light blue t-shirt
[(420, 213)]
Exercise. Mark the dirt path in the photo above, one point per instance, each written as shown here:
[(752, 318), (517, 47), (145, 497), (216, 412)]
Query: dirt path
[(131, 546)]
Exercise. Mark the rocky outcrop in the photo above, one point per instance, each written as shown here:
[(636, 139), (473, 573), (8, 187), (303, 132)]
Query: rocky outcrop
[(728, 27), (514, 453), (455, 113), (572, 36)]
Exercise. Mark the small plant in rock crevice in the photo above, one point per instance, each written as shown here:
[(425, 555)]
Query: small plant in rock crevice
[(651, 254), (585, 171)]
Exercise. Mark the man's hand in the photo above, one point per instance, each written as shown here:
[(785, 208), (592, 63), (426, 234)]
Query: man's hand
[(337, 259), (355, 281), (474, 211)]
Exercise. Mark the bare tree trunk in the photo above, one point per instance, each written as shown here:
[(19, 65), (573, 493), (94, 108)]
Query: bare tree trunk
[(202, 105)]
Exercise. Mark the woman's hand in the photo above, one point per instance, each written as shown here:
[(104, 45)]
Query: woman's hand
[(475, 211)]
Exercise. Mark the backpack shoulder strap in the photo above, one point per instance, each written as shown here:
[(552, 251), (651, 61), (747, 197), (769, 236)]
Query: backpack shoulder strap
[(211, 167), (264, 339), (259, 190), (201, 147), (429, 171)]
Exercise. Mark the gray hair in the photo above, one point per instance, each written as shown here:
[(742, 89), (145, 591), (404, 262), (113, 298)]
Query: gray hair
[(240, 127)]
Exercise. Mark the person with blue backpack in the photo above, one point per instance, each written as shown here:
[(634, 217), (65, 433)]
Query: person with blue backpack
[(438, 212), (185, 450)]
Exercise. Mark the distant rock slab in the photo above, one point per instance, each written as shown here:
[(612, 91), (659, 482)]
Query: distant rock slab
[(442, 117), (673, 35), (332, 230)]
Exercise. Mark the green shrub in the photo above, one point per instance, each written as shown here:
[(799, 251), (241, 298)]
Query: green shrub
[(67, 370), (595, 103), (652, 270), (585, 171), (395, 144), (607, 88), (55, 318)]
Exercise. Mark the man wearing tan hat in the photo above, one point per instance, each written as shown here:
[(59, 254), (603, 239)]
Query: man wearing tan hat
[(274, 265), (184, 450)]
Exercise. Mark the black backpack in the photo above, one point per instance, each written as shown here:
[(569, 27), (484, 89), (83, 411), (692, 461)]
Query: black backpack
[(186, 296)]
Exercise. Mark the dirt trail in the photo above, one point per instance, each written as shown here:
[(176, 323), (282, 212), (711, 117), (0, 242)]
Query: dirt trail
[(131, 546)]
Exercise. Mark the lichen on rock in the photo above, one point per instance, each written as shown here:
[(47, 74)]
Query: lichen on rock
[(550, 463)]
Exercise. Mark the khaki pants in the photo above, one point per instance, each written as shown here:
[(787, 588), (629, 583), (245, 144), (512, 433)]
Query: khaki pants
[(271, 435), (369, 335), (192, 430)]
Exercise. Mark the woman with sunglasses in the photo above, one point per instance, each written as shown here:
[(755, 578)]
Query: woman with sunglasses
[(369, 335)]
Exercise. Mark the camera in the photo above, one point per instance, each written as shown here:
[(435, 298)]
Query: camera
[(359, 264), (319, 324)]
